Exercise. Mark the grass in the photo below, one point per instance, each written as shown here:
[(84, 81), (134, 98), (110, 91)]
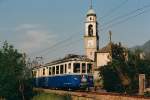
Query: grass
[(47, 96)]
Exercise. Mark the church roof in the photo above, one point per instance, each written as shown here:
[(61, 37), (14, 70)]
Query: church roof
[(106, 49), (91, 12)]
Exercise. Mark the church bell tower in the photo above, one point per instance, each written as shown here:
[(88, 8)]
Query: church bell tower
[(91, 38)]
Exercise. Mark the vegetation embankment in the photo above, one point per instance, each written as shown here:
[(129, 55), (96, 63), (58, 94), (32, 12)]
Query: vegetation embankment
[(15, 76), (122, 73)]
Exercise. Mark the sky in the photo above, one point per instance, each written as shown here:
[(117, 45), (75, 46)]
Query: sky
[(54, 28)]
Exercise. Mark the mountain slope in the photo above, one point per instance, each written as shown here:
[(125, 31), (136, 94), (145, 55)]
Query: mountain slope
[(145, 47)]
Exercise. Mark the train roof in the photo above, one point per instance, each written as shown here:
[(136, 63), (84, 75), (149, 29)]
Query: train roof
[(69, 57)]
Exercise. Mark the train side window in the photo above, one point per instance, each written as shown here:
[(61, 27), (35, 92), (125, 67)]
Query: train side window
[(50, 71), (65, 68), (53, 70), (89, 68), (69, 66), (43, 71), (83, 68), (61, 69), (76, 67), (57, 69)]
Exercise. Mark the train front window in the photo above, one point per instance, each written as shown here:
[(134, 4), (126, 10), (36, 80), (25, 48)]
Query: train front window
[(50, 71), (57, 69), (89, 68), (83, 68), (76, 67), (43, 71), (53, 70), (61, 69), (34, 73)]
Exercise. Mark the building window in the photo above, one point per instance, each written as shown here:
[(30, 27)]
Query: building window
[(76, 67), (50, 71), (43, 71), (83, 68), (61, 69), (89, 68), (57, 69), (53, 70), (90, 18), (90, 30)]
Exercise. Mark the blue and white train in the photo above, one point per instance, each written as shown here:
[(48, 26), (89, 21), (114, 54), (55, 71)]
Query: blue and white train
[(71, 72)]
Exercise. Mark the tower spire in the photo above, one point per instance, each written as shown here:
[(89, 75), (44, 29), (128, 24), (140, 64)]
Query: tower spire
[(91, 4)]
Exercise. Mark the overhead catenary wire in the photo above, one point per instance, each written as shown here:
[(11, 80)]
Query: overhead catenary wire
[(125, 15), (112, 25), (70, 51), (67, 44), (126, 19), (60, 42), (114, 9), (57, 44)]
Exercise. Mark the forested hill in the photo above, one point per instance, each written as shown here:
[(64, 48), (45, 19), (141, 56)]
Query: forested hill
[(145, 47)]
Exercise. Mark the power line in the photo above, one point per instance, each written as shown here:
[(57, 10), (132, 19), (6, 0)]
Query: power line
[(64, 48), (56, 44), (64, 45), (71, 37), (126, 19), (114, 9), (125, 15)]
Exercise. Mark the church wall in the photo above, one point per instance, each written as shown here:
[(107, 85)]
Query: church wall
[(102, 59)]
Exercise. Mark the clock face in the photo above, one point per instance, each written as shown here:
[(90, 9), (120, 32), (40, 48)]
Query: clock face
[(90, 43)]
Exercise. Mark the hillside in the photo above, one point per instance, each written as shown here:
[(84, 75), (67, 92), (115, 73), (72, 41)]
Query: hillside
[(145, 47)]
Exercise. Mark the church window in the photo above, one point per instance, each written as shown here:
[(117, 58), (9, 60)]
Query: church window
[(90, 18), (90, 30)]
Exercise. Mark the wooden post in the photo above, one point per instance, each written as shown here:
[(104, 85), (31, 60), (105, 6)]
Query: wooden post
[(141, 84)]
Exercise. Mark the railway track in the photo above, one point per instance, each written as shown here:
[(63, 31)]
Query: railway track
[(92, 95)]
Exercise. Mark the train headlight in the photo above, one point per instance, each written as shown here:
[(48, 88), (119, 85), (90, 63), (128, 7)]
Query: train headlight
[(75, 78)]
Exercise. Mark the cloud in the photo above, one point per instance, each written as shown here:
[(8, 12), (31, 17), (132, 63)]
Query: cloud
[(33, 38), (26, 26)]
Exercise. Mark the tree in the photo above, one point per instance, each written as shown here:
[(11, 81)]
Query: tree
[(12, 73), (121, 75)]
